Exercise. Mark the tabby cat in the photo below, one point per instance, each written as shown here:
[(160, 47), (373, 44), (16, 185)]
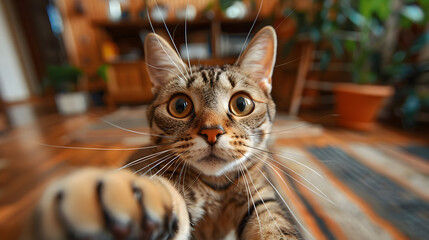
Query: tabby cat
[(208, 181)]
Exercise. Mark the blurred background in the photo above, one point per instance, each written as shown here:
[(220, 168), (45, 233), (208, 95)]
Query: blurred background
[(351, 83)]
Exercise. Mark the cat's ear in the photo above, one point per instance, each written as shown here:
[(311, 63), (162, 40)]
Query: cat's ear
[(162, 61), (259, 57)]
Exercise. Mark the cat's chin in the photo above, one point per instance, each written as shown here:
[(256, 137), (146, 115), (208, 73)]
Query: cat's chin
[(215, 166), (213, 159)]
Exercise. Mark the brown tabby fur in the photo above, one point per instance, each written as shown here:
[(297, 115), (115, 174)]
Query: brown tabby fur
[(213, 182)]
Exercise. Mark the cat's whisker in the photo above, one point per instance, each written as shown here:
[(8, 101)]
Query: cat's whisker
[(156, 162), (296, 156), (180, 176), (168, 31), (174, 170), (240, 172), (229, 179), (260, 197), (174, 30), (251, 196), (248, 34), (298, 126), (258, 155), (278, 25), (166, 28), (284, 201), (165, 69), (199, 59), (288, 62), (284, 165), (290, 159), (132, 131), (160, 44), (143, 159), (192, 183), (319, 193), (101, 149), (171, 38), (176, 160), (184, 178), (186, 36), (165, 165)]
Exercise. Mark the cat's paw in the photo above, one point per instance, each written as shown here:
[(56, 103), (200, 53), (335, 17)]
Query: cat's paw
[(100, 204)]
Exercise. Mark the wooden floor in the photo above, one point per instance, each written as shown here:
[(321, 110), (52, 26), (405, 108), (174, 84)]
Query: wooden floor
[(26, 165)]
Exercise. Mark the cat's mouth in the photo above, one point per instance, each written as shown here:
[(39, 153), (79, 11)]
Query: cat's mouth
[(212, 159)]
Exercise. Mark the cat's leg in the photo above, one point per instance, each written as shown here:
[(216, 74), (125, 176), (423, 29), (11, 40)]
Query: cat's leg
[(103, 204), (268, 221)]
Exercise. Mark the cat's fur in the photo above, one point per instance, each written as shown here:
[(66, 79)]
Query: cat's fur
[(203, 192)]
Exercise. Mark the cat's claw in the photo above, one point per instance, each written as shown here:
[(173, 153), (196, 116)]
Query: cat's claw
[(101, 204)]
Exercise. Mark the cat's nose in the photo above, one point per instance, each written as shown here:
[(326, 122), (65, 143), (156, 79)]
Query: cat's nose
[(211, 134)]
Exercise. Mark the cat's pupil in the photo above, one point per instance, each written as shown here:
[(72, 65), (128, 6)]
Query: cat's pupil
[(181, 105), (241, 104)]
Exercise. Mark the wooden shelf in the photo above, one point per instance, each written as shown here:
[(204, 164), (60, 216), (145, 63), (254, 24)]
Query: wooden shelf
[(89, 33), (202, 21), (141, 23)]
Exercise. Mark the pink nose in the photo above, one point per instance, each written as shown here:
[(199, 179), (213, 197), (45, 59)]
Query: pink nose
[(212, 134)]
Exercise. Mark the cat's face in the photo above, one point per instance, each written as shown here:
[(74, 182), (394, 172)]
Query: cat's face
[(216, 116)]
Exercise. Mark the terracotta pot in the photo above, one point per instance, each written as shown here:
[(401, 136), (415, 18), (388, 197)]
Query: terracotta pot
[(358, 105)]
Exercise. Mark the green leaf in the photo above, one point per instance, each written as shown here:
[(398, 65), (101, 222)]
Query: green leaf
[(63, 78), (410, 109), (102, 71), (315, 35), (327, 27), (413, 13), (350, 45), (253, 5), (399, 56), (354, 17), (405, 23), (420, 43), (325, 60), (424, 4), (337, 46), (224, 4), (376, 27), (380, 8)]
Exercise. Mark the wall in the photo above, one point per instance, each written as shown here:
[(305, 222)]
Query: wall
[(13, 86)]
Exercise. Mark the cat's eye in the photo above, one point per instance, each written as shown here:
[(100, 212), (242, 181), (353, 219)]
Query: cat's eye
[(241, 104), (180, 106)]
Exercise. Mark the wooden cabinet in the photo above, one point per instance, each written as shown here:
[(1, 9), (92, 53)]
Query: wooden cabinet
[(128, 82), (88, 32), (79, 36)]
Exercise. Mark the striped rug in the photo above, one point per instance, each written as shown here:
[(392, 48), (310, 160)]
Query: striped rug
[(353, 191), (363, 191)]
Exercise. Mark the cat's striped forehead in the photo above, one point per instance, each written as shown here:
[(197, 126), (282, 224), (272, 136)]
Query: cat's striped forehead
[(213, 76), (210, 84)]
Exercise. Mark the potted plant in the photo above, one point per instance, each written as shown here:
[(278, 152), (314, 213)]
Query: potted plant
[(410, 104), (64, 80), (365, 32), (373, 56)]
